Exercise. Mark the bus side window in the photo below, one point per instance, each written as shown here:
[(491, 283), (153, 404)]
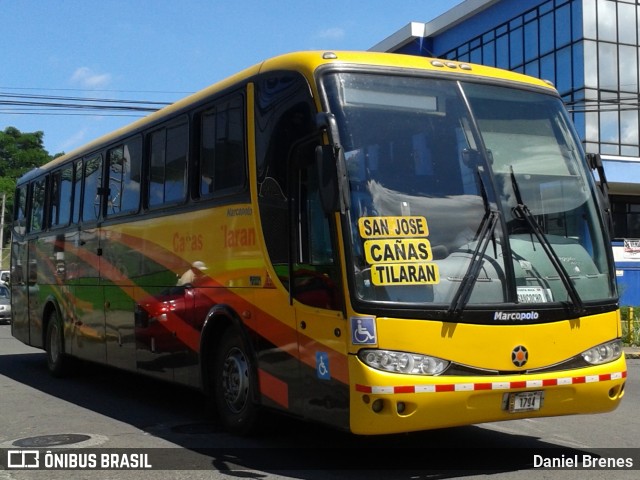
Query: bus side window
[(175, 180), (20, 215), (124, 178), (92, 179), (168, 163), (36, 220), (222, 155), (77, 190), (61, 193)]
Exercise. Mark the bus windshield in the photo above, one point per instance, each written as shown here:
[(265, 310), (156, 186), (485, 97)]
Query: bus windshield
[(448, 179)]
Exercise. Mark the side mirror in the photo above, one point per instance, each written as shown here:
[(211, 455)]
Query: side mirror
[(594, 160)]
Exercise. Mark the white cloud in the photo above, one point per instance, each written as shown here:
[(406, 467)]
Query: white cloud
[(334, 33), (87, 78)]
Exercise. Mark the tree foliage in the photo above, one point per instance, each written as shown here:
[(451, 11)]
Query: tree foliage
[(19, 153)]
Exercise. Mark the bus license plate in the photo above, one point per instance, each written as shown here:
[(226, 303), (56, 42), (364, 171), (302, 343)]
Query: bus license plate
[(525, 401)]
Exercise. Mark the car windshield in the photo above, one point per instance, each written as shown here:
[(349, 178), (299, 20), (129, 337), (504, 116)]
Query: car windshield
[(436, 170), (4, 292)]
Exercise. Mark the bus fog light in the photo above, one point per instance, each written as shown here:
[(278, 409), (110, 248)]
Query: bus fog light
[(604, 353), (377, 405), (403, 362)]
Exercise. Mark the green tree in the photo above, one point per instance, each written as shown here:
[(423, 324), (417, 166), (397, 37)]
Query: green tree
[(19, 153)]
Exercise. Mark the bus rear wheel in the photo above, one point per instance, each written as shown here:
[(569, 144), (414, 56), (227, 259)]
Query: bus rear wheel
[(234, 385), (54, 346)]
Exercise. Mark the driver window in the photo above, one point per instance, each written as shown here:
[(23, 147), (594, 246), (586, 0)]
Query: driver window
[(296, 230), (316, 275)]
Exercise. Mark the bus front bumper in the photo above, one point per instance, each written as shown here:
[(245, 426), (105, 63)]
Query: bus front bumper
[(384, 403)]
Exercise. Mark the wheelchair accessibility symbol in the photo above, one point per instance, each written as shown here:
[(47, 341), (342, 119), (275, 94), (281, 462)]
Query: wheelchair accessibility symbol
[(322, 366), (363, 331)]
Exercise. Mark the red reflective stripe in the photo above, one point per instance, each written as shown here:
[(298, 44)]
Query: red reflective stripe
[(452, 387), (483, 386), (363, 388), (408, 389), (445, 388)]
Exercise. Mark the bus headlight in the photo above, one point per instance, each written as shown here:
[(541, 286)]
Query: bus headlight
[(606, 352), (403, 362)]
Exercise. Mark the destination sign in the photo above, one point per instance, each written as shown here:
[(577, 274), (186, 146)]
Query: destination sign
[(393, 227), (397, 250), (405, 274)]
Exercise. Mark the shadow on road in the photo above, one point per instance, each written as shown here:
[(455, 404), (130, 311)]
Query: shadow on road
[(282, 445)]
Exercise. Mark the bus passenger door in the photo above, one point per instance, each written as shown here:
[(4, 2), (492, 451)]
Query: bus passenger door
[(19, 262), (89, 329), (317, 294), (119, 304), (33, 295), (20, 289)]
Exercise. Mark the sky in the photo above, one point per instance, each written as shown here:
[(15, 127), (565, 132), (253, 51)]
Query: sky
[(163, 50)]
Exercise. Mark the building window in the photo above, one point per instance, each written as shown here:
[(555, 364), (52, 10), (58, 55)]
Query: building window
[(626, 217), (581, 46), (607, 26)]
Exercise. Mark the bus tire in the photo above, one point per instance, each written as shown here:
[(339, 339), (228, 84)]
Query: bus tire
[(234, 384), (57, 361)]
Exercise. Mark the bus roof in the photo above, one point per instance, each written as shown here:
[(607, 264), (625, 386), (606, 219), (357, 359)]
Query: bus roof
[(306, 62)]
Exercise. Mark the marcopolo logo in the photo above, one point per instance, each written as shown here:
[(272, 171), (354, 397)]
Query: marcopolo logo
[(506, 316)]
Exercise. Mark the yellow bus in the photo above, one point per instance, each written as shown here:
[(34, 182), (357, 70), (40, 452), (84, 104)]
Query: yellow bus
[(381, 243)]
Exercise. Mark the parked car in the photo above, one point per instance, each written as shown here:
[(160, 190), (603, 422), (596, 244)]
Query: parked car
[(5, 304), (4, 277)]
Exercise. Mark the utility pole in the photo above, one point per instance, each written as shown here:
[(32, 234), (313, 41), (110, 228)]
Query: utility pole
[(4, 197)]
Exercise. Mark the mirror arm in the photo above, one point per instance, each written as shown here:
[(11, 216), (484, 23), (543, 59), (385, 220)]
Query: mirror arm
[(327, 122)]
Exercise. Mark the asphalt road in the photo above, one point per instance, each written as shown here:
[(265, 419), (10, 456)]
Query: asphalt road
[(100, 410)]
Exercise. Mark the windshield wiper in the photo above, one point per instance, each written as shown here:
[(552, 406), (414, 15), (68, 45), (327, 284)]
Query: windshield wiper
[(523, 211), (487, 227)]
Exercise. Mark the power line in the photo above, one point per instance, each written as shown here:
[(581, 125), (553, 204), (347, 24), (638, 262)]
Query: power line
[(59, 105), (178, 92), (45, 113), (38, 104), (80, 99)]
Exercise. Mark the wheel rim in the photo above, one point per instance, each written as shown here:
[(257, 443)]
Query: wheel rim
[(235, 380), (54, 344)]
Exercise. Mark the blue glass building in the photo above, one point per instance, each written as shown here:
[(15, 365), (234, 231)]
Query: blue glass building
[(590, 50)]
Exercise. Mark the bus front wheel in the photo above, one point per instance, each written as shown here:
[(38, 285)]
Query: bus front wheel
[(234, 384), (54, 346)]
